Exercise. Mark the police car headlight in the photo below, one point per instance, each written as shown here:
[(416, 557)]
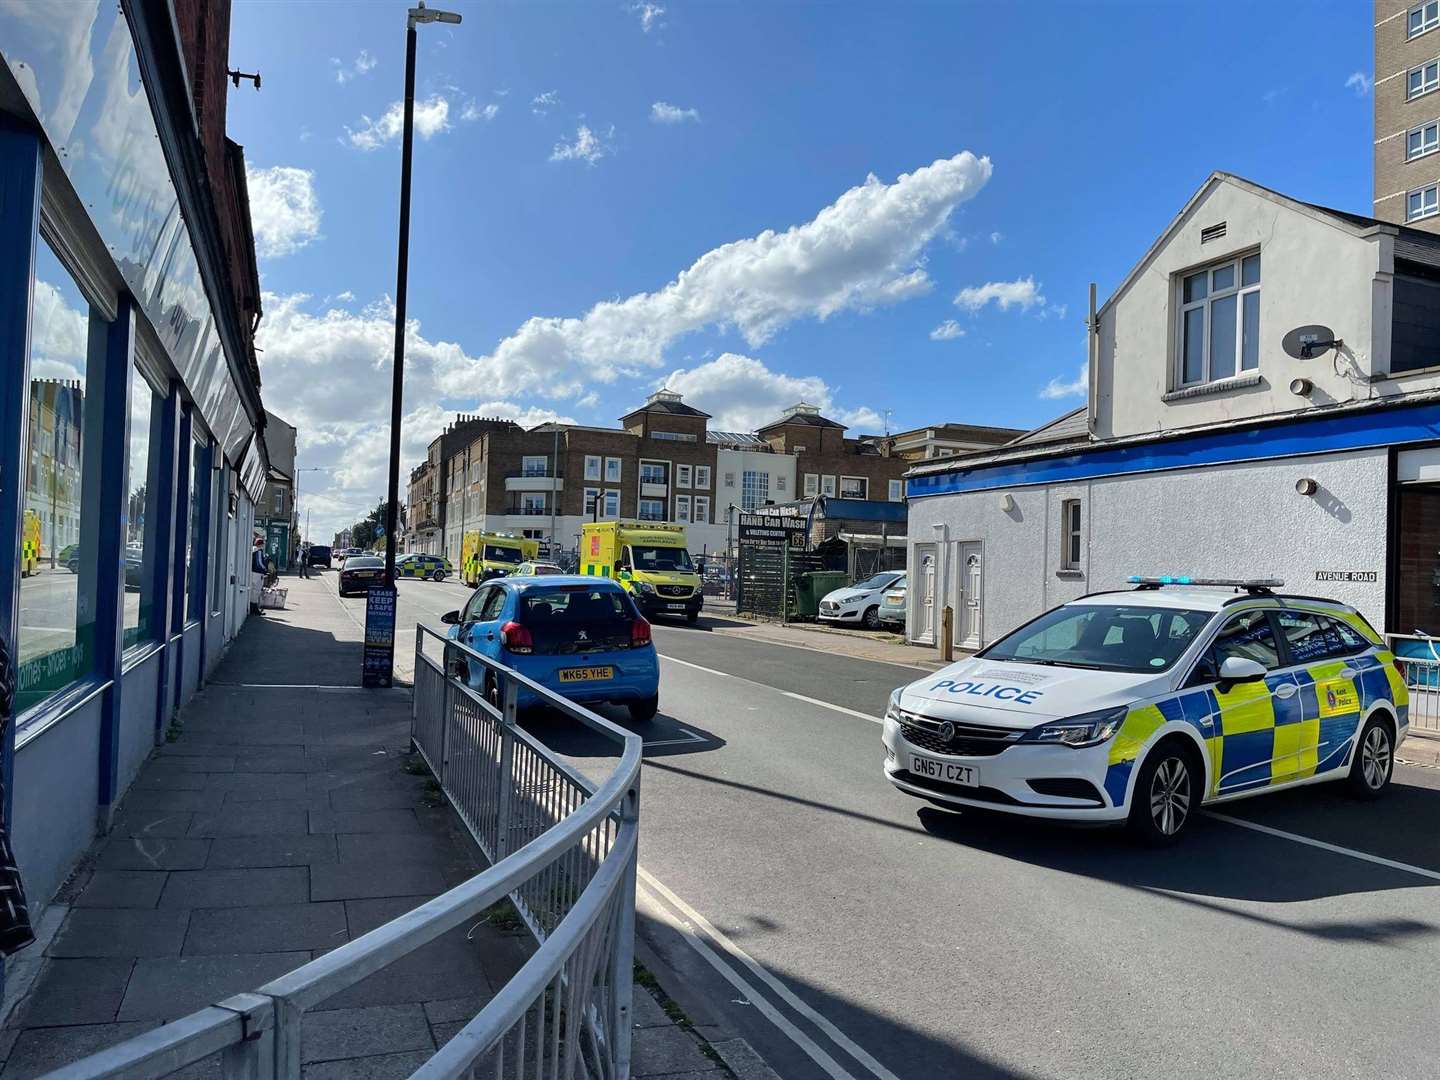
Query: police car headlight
[(1089, 729), (892, 711)]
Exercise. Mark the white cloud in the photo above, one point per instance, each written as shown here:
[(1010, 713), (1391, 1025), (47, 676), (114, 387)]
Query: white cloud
[(432, 116), (996, 237), (948, 330), (283, 209), (345, 428), (541, 104), (662, 112), (59, 335), (1360, 83), (587, 147), (741, 394), (473, 111), (861, 252), (1059, 387), (363, 65), (649, 14), (1022, 293)]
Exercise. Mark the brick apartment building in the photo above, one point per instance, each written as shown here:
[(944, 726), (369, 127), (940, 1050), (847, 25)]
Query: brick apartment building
[(663, 463), (1407, 113)]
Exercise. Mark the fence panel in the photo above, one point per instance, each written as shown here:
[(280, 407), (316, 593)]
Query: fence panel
[(1419, 660)]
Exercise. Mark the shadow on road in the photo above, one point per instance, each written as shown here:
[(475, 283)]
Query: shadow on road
[(664, 736), (1215, 862)]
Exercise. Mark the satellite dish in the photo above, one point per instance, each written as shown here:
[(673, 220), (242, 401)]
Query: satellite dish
[(1305, 342)]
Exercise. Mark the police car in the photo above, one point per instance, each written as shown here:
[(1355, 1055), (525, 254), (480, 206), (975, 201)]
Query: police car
[(431, 567), (1138, 706)]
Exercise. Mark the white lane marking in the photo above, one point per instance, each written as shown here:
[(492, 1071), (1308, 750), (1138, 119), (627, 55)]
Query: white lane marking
[(776, 689), (691, 737), (837, 1036), (739, 634), (836, 708), (752, 996), (1334, 849)]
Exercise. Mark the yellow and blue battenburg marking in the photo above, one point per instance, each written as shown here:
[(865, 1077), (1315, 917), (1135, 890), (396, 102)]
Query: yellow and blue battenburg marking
[(1256, 738)]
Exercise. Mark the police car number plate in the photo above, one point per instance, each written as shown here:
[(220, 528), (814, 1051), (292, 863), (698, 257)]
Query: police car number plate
[(966, 775), (585, 674)]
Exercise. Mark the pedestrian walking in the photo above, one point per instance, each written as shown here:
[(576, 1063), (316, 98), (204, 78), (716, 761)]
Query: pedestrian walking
[(258, 570), (304, 560), (15, 930)]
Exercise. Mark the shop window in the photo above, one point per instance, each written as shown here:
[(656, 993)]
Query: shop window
[(141, 552), (55, 643), (195, 537)]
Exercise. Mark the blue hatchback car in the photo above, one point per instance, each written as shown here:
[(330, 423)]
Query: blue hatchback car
[(580, 636)]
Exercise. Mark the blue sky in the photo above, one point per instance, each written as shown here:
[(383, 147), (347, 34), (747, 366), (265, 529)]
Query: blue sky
[(585, 153)]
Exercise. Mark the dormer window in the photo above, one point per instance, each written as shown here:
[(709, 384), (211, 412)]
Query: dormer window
[(1219, 325)]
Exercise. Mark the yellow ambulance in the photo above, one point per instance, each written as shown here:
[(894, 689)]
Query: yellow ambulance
[(487, 555), (650, 559)]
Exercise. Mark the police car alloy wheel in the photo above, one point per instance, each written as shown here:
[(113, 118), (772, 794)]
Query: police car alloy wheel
[(1374, 761), (438, 575), (1166, 795)]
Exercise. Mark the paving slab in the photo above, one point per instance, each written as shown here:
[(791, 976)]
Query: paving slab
[(122, 889), (149, 799), (364, 821), (237, 888), (120, 932), (259, 851), (338, 1034), (381, 1067), (85, 991), (259, 787), (153, 853), (271, 928), (151, 823), (41, 1050), (665, 1051), (395, 849), (356, 881), (167, 989), (253, 819)]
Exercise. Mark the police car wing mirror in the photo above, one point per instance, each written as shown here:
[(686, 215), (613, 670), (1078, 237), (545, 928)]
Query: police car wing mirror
[(451, 617), (1236, 669)]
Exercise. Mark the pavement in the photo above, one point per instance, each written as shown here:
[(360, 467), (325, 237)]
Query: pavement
[(284, 818)]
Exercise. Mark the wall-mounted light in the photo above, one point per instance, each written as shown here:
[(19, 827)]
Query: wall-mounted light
[(1007, 502), (1301, 387), (1306, 486)]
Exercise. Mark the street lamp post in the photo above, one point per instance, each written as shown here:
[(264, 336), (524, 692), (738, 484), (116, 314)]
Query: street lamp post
[(417, 15), (379, 658)]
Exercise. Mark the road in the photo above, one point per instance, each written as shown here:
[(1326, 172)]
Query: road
[(854, 932)]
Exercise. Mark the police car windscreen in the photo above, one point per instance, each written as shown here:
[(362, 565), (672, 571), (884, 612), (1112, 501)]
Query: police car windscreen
[(576, 619), (502, 554), (661, 559), (1139, 639)]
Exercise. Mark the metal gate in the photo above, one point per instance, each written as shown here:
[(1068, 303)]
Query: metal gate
[(767, 573)]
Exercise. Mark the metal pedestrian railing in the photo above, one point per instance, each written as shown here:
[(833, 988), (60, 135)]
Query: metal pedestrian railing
[(1418, 656), (562, 849)]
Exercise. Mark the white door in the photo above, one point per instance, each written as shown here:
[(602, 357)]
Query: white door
[(924, 586), (971, 594)]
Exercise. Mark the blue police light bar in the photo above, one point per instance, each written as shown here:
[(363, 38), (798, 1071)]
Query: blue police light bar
[(1236, 583)]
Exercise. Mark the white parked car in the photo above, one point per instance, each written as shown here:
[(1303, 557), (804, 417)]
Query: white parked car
[(859, 603)]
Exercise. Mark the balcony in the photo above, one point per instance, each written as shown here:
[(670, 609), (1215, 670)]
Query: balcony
[(528, 482)]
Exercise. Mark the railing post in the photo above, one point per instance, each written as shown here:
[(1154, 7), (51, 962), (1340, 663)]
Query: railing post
[(510, 694), (288, 1020), (415, 679), (622, 949), (446, 703)]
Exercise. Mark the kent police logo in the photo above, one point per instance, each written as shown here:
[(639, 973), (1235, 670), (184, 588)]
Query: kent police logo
[(1330, 697)]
